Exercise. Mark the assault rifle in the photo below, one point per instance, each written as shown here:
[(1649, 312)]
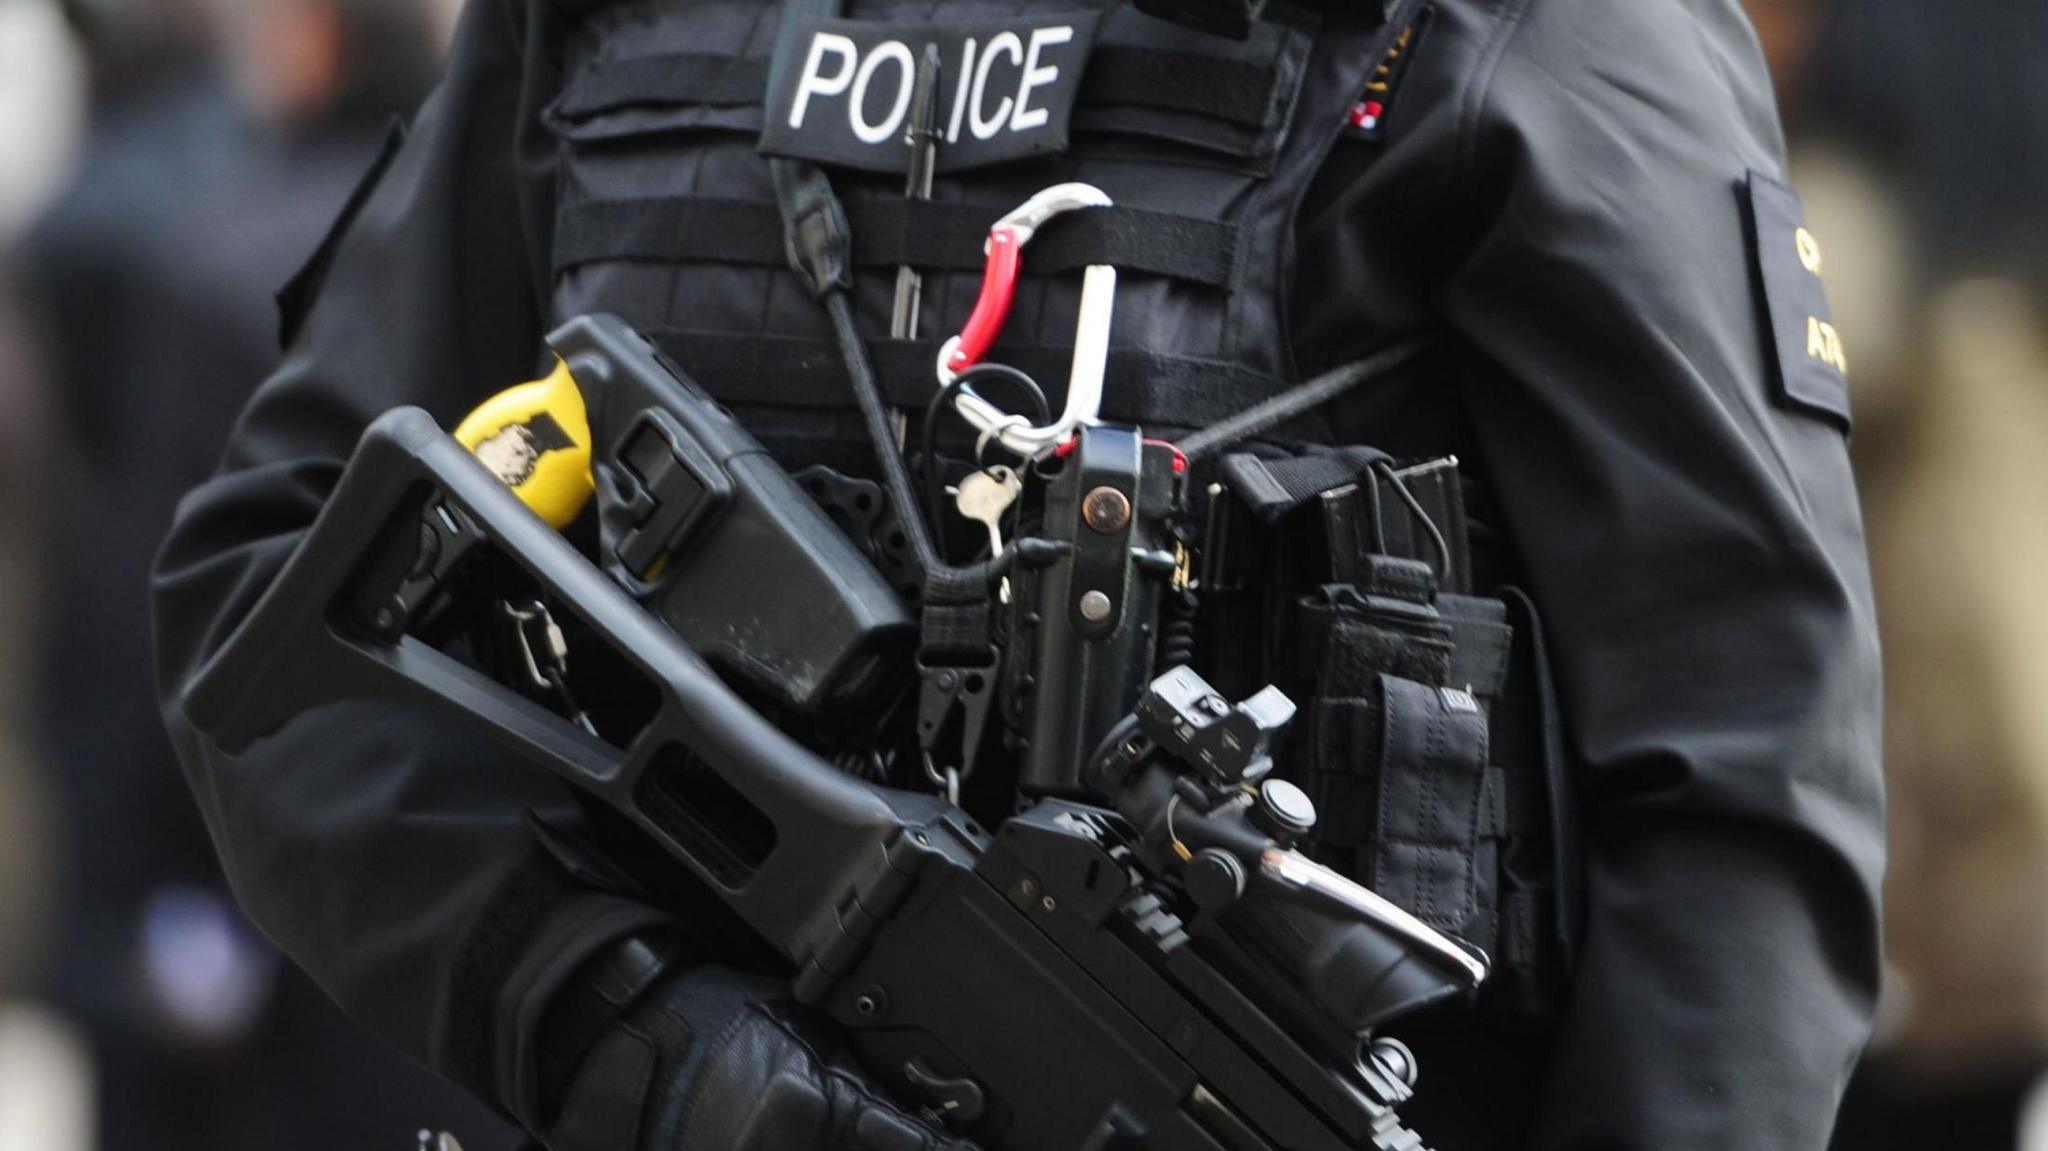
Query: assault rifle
[(1142, 962)]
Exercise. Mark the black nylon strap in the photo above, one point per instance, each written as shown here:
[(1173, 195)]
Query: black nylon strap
[(1493, 813), (1239, 91), (929, 233), (671, 78), (892, 233), (959, 619), (1482, 642), (1523, 933), (1146, 388), (1515, 807)]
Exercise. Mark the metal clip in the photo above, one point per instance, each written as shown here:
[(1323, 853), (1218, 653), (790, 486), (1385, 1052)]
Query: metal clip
[(944, 690), (1006, 241), (546, 652), (533, 625)]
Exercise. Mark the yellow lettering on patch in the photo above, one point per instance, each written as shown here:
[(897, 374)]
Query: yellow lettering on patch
[(1824, 343), (1809, 250)]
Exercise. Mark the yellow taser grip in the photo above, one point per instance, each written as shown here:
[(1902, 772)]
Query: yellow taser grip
[(536, 438)]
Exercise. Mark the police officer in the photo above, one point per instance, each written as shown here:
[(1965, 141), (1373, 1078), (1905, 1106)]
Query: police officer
[(1638, 371)]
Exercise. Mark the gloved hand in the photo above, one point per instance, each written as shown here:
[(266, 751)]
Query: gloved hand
[(716, 1060)]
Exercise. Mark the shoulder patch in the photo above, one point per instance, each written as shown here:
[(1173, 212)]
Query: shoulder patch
[(1812, 364)]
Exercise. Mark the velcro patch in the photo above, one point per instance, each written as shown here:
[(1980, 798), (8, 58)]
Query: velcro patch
[(1006, 90), (1813, 366)]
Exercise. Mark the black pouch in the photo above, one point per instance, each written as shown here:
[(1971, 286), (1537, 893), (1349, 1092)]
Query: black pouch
[(1397, 754), (1427, 732), (1428, 853)]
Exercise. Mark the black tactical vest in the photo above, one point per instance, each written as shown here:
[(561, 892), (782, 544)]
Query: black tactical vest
[(1207, 146)]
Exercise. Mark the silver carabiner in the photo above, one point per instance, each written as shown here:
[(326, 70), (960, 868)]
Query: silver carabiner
[(1006, 242)]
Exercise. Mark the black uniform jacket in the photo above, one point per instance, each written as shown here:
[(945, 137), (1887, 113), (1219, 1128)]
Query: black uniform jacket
[(1565, 186)]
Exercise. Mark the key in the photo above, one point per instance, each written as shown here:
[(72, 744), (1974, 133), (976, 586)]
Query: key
[(984, 498)]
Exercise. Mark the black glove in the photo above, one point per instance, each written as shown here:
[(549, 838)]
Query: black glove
[(716, 1060)]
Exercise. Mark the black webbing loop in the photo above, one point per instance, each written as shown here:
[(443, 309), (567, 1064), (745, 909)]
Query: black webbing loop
[(1152, 389), (936, 234), (959, 618), (1482, 642), (893, 233), (1239, 91), (815, 233)]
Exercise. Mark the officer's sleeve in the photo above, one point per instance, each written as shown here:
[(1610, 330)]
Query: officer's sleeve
[(395, 857), (1694, 540)]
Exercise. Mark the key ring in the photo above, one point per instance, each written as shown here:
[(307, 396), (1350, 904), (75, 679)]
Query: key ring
[(995, 432), (948, 781)]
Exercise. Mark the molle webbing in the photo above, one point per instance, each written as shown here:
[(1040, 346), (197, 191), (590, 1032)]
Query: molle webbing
[(1154, 388), (666, 212), (891, 233)]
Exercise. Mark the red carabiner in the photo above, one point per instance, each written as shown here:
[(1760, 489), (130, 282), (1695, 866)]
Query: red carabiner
[(1006, 240), (998, 290)]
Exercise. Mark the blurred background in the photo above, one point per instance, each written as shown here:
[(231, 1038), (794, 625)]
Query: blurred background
[(165, 165), (169, 163)]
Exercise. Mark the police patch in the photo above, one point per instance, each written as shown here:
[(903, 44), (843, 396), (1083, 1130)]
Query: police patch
[(1813, 366), (1006, 88)]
